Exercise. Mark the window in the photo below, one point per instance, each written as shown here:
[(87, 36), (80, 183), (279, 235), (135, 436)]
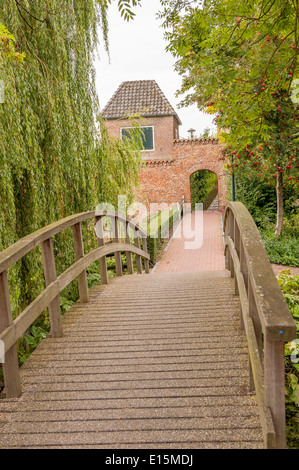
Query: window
[(147, 138)]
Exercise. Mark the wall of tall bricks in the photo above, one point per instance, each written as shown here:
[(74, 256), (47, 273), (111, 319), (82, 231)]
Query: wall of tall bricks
[(165, 176), (168, 180), (165, 130)]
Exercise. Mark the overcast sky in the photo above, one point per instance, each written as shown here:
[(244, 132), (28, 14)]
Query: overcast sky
[(137, 52)]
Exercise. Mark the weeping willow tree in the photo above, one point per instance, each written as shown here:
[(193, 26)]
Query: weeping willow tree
[(54, 158)]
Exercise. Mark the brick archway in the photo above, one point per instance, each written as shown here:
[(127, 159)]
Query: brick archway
[(168, 180)]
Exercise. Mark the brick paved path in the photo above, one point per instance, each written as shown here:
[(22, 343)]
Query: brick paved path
[(183, 254), (209, 257), (277, 268)]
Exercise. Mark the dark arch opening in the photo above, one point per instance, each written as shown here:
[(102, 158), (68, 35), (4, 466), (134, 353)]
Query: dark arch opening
[(204, 189)]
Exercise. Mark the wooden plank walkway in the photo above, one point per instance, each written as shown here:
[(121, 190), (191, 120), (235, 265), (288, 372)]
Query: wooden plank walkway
[(153, 361)]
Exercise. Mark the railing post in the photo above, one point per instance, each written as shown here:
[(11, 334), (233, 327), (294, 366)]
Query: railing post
[(51, 276), (243, 265), (274, 365), (10, 365), (146, 262), (101, 242), (244, 272), (237, 242), (226, 234), (128, 253), (79, 253), (253, 313), (230, 233), (137, 244), (227, 260), (269, 320), (231, 219), (117, 254)]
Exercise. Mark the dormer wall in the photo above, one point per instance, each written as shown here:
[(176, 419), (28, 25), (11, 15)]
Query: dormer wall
[(165, 130)]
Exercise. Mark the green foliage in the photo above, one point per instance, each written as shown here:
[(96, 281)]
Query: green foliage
[(292, 414), (201, 183), (206, 133), (289, 284), (258, 196), (119, 162), (48, 159), (238, 60), (282, 250), (93, 275), (158, 230), (55, 156), (8, 46), (234, 56), (31, 341), (290, 287), (125, 8), (291, 224)]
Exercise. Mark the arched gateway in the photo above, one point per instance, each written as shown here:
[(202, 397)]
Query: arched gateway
[(169, 180), (169, 160)]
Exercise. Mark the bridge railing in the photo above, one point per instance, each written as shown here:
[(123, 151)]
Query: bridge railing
[(265, 316), (11, 330)]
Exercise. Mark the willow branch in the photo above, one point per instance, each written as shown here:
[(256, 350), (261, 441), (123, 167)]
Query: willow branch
[(19, 5)]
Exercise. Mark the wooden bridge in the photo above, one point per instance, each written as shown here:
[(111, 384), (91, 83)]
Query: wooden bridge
[(164, 360)]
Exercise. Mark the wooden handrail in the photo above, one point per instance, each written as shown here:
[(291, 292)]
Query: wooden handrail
[(15, 252), (11, 330), (265, 316)]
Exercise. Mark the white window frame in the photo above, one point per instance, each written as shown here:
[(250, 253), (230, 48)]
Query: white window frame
[(142, 150)]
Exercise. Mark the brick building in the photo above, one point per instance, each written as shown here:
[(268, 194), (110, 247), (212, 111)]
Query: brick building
[(169, 160)]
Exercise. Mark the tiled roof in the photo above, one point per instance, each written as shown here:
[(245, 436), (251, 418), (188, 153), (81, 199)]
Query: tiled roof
[(142, 97)]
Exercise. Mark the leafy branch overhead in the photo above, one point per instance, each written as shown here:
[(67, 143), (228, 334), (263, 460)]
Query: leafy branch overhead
[(235, 56), (125, 8), (52, 157), (33, 18), (238, 61)]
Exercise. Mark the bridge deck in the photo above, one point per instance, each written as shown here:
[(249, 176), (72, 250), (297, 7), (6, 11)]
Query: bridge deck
[(153, 361), (183, 255)]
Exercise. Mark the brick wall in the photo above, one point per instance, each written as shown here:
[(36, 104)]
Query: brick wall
[(168, 180), (165, 178), (165, 131)]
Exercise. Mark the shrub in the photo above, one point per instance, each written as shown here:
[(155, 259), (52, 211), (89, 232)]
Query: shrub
[(258, 197), (290, 288), (282, 250)]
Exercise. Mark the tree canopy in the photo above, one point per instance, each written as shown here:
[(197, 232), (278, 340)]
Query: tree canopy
[(55, 160), (238, 60)]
